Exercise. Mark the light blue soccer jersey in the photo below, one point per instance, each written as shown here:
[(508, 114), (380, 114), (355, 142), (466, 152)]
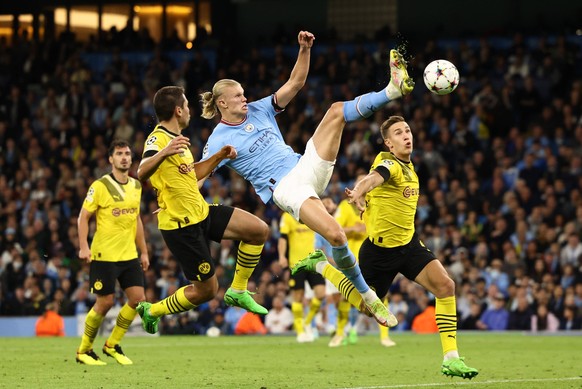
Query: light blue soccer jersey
[(263, 158)]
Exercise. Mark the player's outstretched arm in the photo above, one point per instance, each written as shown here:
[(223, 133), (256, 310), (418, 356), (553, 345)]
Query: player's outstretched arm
[(299, 73), (357, 195), (204, 168)]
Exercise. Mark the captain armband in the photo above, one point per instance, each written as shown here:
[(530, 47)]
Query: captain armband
[(384, 172)]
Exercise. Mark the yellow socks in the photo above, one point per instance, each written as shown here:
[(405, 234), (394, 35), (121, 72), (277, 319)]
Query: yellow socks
[(246, 260), (297, 309), (313, 309), (343, 314), (92, 323), (124, 319), (341, 282), (446, 319), (175, 303)]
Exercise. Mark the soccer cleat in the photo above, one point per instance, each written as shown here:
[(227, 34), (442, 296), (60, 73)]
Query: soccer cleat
[(89, 358), (381, 314), (148, 322), (353, 336), (398, 73), (309, 263), (337, 340), (117, 353), (304, 337), (455, 367), (244, 300), (387, 342)]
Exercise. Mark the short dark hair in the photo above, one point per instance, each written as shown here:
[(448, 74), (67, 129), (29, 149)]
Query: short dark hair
[(388, 123), (166, 100), (117, 143)]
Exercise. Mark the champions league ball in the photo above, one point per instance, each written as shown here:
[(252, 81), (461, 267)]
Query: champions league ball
[(441, 77), (213, 332)]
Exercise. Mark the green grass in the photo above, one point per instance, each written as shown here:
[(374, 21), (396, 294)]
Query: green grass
[(504, 361)]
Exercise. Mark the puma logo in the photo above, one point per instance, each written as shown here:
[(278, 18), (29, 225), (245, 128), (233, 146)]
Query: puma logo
[(452, 336)]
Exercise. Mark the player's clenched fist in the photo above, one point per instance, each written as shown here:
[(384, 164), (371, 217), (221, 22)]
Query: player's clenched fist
[(229, 152), (305, 38)]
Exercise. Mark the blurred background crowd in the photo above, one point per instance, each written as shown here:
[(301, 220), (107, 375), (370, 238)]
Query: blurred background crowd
[(499, 162)]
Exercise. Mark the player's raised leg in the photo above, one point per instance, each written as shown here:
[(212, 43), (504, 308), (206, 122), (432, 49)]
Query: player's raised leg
[(183, 300), (327, 136)]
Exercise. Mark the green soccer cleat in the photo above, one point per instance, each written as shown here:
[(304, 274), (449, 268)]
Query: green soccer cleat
[(148, 322), (455, 367), (309, 263), (244, 300), (353, 336), (398, 73), (116, 353), (381, 314), (89, 358)]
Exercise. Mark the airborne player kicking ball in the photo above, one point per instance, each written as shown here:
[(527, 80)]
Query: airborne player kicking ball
[(389, 196), (294, 181)]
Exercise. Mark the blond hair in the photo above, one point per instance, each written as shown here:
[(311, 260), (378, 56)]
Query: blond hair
[(208, 99)]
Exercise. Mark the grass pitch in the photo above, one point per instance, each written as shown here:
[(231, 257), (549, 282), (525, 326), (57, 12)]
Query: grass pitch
[(268, 362)]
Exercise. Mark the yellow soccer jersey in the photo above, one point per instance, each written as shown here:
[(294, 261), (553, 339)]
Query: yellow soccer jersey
[(176, 184), (348, 215), (116, 207), (300, 239), (391, 206)]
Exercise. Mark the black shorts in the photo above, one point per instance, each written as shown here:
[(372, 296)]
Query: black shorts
[(297, 281), (102, 276), (380, 265), (190, 245)]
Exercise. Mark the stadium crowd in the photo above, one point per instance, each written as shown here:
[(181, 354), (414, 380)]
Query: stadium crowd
[(499, 161)]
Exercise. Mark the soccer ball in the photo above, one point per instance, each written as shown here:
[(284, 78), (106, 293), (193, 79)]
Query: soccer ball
[(213, 332), (441, 77)]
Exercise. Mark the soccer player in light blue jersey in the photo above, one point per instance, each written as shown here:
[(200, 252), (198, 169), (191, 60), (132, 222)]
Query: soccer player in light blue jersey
[(295, 181)]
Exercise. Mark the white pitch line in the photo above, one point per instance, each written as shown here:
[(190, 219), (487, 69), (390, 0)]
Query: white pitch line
[(467, 383)]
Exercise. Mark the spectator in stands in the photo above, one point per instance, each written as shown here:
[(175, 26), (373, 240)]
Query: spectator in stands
[(250, 324), (280, 318), (544, 320), (570, 319), (50, 323), (495, 318), (470, 322), (520, 317)]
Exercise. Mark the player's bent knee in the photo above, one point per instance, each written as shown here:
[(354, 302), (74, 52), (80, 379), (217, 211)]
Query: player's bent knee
[(259, 234), (445, 288), (336, 237)]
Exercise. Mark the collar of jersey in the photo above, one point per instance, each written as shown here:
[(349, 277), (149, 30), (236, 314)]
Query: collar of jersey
[(114, 179), (406, 162), (234, 124), (166, 130)]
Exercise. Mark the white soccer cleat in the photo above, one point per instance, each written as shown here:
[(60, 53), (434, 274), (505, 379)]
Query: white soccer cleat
[(336, 341), (387, 342), (399, 75), (304, 337)]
